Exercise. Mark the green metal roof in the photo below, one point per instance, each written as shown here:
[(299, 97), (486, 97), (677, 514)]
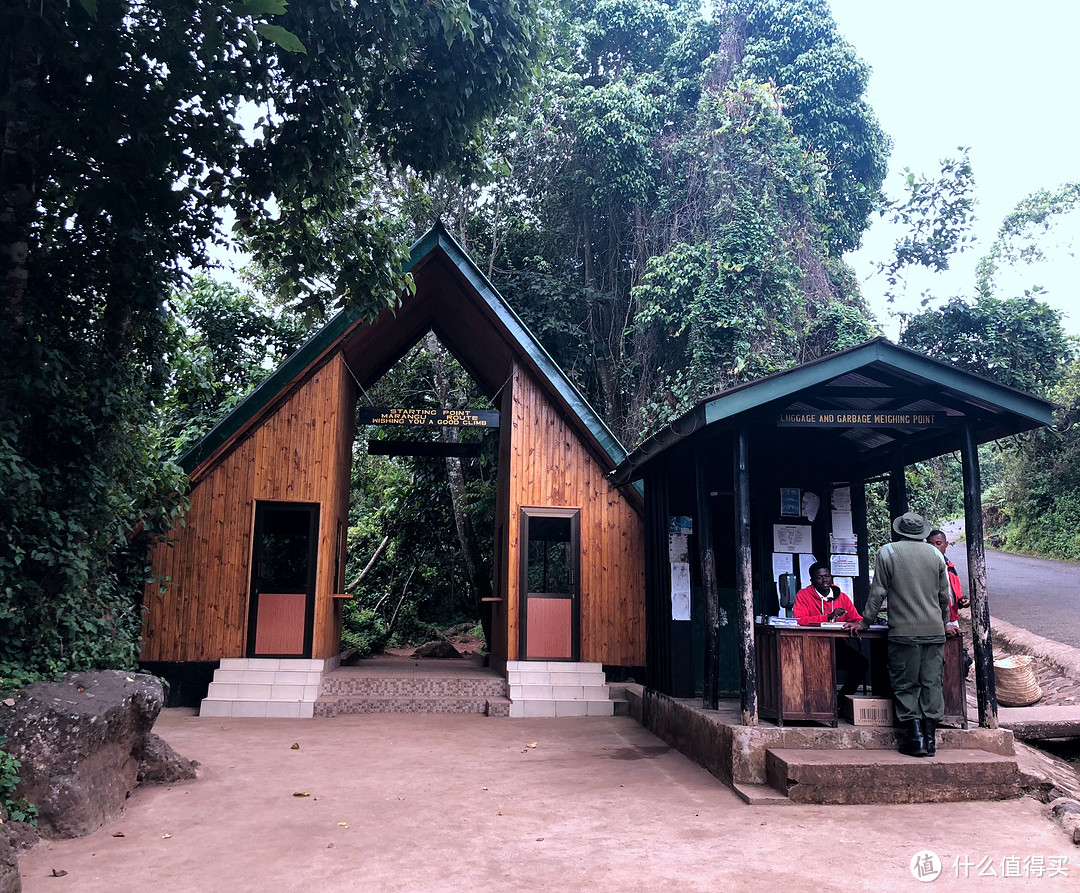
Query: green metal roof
[(997, 410), (330, 337)]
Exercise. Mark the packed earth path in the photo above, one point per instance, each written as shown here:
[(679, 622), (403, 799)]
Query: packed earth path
[(465, 802)]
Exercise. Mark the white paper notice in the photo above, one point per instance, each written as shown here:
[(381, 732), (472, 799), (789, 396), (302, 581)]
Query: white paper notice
[(782, 563), (811, 502), (844, 545), (805, 561), (678, 548), (680, 591), (845, 565), (844, 583), (841, 499), (841, 524), (791, 538)]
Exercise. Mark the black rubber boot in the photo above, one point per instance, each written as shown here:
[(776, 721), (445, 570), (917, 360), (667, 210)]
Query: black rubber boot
[(929, 729), (912, 742)]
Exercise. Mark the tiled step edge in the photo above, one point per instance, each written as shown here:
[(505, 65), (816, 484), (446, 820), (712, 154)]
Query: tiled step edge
[(338, 706), (252, 708), (536, 708)]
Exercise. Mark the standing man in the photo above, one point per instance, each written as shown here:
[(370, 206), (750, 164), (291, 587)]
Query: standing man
[(940, 541), (912, 575)]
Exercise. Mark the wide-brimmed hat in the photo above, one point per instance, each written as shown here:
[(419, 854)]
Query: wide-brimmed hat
[(914, 527)]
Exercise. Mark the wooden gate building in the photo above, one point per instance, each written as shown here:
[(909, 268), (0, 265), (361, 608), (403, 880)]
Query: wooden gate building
[(253, 578)]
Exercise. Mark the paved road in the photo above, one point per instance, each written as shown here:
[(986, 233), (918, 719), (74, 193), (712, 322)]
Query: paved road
[(1033, 593)]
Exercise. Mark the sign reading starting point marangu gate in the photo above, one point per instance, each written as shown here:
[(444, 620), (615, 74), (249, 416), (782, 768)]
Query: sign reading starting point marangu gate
[(848, 419), (465, 418)]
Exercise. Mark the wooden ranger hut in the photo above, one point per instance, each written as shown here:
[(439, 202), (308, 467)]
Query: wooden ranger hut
[(758, 482), (254, 576)]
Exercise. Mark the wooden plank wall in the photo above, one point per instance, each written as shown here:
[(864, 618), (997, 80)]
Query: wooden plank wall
[(549, 466), (301, 452)]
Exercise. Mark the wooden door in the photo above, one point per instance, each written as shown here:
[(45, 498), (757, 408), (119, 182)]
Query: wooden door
[(284, 555), (550, 580)]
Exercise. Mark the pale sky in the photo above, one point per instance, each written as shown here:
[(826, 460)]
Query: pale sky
[(997, 77)]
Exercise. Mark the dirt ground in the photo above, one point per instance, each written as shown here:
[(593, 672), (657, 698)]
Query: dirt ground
[(449, 803)]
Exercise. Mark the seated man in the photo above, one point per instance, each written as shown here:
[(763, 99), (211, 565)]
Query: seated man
[(822, 602)]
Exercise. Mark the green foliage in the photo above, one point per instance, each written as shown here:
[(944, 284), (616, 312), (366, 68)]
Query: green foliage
[(822, 85), (18, 808), (668, 209), (939, 214), (122, 147), (225, 343), (420, 582), (1014, 341), (1023, 232), (1038, 493)]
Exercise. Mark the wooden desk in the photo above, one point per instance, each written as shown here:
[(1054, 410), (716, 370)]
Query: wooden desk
[(796, 671)]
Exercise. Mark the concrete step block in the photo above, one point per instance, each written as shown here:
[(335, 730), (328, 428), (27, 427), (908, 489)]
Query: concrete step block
[(887, 776), (498, 707), (575, 707)]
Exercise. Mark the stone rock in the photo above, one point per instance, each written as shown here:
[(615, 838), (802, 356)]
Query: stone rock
[(79, 742), (10, 880), (160, 764), (437, 650)]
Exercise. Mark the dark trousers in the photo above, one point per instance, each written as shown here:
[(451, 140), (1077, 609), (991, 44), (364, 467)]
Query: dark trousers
[(916, 671), (853, 663)]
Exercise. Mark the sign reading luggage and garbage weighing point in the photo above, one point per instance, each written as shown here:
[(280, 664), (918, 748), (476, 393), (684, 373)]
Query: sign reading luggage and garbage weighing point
[(850, 419)]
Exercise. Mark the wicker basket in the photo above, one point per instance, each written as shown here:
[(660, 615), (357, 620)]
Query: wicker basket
[(1014, 678)]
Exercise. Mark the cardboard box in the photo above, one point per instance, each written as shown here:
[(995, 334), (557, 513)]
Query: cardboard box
[(865, 711)]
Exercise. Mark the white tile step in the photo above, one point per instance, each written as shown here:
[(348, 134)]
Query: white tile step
[(257, 708), (552, 707)]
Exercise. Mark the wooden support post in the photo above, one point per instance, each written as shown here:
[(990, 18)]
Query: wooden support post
[(703, 530), (744, 582), (982, 639), (898, 503)]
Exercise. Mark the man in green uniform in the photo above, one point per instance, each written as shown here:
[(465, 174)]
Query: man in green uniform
[(912, 575)]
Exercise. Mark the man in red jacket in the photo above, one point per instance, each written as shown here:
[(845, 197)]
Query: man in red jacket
[(822, 602)]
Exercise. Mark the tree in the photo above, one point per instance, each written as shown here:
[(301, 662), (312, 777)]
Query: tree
[(225, 343), (1017, 342), (122, 142), (434, 514), (671, 209)]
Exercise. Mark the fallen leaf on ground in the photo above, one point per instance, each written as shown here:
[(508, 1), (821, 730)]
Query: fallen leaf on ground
[(531, 745), (118, 834), (343, 824), (10, 702), (165, 836), (295, 747), (301, 794), (58, 872)]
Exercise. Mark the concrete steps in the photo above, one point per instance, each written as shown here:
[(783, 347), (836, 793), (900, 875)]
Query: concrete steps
[(558, 688), (264, 687), (828, 776)]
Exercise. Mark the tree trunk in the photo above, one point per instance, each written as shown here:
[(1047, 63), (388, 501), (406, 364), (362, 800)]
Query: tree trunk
[(479, 577)]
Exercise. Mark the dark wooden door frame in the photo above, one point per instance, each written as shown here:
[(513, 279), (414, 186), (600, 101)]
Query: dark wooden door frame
[(574, 516), (261, 507)]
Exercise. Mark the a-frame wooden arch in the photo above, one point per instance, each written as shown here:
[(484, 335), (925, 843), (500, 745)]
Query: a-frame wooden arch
[(289, 445)]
